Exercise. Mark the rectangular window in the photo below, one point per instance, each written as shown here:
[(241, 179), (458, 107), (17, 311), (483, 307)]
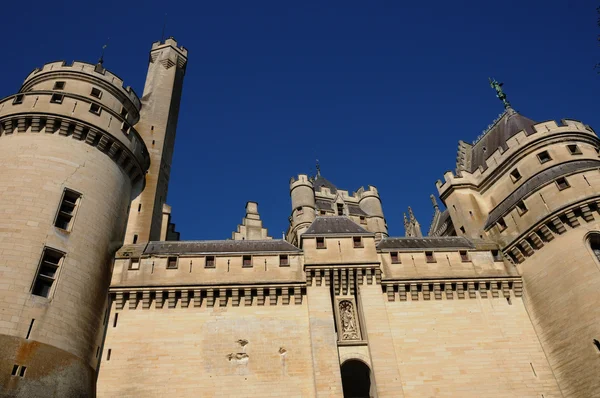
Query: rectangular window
[(124, 113), (320, 243), (323, 212), (357, 241), (134, 264), (96, 92), (95, 109), (15, 369), (497, 255), (67, 210), (340, 209), (521, 208), (125, 128), (464, 256), (47, 271), (562, 183), (515, 175), (56, 98), (395, 258), (501, 224), (363, 220), (59, 85), (18, 99), (544, 157), (135, 238), (210, 262), (299, 210), (247, 261), (430, 257), (172, 263), (574, 149), (284, 260), (22, 371)]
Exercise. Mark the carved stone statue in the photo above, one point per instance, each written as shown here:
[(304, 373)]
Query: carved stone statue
[(499, 92), (349, 329)]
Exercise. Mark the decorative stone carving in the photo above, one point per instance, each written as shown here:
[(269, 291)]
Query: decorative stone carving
[(348, 322)]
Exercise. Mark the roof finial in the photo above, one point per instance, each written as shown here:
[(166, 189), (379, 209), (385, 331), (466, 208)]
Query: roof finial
[(318, 169), (411, 215), (101, 59), (499, 92), (434, 202), (405, 221)]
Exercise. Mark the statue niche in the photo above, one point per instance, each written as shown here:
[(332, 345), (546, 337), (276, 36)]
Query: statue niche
[(349, 330)]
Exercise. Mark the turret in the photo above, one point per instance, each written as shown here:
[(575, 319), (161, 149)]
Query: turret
[(157, 126), (303, 207), (370, 203), (71, 163)]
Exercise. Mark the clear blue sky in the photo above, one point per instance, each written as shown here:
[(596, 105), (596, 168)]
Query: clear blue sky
[(379, 92)]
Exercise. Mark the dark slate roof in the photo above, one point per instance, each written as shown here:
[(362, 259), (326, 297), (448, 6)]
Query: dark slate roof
[(355, 210), (324, 204), (535, 182), (445, 242), (321, 181), (508, 125), (335, 225), (219, 246)]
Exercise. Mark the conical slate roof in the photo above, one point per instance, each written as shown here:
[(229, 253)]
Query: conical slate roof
[(509, 124)]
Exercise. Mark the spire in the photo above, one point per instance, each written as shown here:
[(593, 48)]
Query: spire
[(434, 202), (318, 167), (499, 92), (412, 228)]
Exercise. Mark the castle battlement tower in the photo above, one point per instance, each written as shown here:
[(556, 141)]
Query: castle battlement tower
[(157, 125), (534, 189), (71, 162)]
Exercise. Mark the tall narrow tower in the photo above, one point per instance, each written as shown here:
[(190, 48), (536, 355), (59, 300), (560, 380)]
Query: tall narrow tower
[(157, 125)]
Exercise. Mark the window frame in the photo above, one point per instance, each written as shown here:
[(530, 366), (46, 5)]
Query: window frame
[(430, 257), (544, 154), (99, 96), (248, 258), (169, 263), (43, 278), (516, 177), (464, 256), (57, 83), (18, 100), (320, 242), (521, 207), (132, 261), (210, 262), (357, 242), (57, 98), (562, 179), (76, 205), (95, 112), (397, 258), (284, 260), (574, 149), (501, 224)]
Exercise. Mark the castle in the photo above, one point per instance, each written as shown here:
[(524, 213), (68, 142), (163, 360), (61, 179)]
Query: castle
[(99, 297)]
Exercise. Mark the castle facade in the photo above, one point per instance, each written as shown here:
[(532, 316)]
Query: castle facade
[(100, 297)]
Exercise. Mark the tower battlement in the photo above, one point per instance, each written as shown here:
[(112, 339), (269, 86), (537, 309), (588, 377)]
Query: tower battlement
[(81, 68)]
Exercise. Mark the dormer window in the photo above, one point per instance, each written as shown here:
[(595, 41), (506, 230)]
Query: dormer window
[(320, 243), (544, 157), (363, 220), (340, 209)]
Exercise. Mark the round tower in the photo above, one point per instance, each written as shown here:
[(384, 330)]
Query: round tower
[(70, 163), (370, 203), (303, 205)]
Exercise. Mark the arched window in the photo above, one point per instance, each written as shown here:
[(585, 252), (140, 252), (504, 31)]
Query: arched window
[(356, 379), (594, 242)]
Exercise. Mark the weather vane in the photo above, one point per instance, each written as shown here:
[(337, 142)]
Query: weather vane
[(101, 60), (499, 92)]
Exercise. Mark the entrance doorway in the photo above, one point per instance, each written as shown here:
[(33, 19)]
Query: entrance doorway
[(356, 379)]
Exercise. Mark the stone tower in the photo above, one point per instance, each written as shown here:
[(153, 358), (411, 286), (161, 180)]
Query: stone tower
[(534, 188), (318, 196), (157, 125), (71, 163)]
